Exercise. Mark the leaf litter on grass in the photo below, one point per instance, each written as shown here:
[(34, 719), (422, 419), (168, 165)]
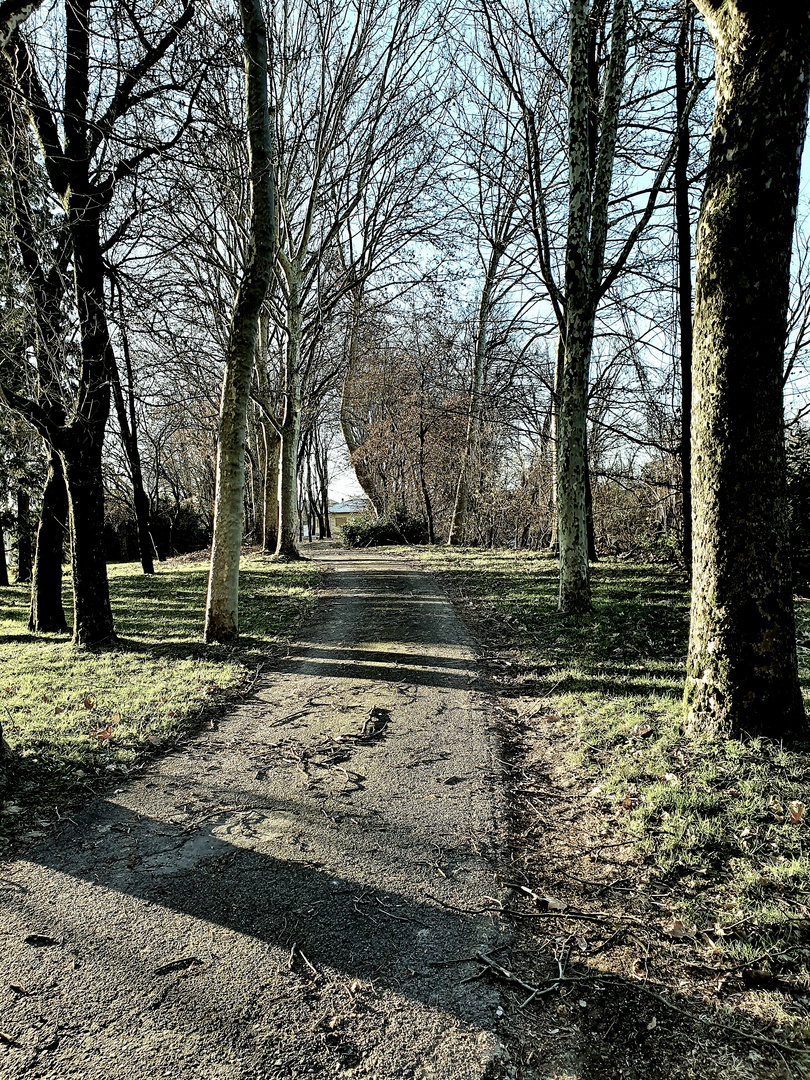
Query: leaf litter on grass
[(691, 851)]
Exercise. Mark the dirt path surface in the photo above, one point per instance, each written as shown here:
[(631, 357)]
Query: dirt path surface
[(291, 895)]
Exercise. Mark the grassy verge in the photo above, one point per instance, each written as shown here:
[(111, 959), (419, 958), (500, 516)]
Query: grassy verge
[(74, 720), (721, 822)]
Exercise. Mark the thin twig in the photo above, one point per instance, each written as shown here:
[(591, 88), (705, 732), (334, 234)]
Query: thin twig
[(253, 681), (463, 910), (608, 980), (399, 918), (290, 716)]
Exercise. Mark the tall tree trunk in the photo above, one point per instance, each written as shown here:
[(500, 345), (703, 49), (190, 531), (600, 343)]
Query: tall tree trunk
[(23, 536), (683, 226), (80, 443), (474, 412), (742, 668), (222, 606), (588, 195), (323, 493), (92, 614), (3, 562), (128, 426), (288, 525), (559, 362), (589, 523), (69, 140), (47, 614), (572, 392), (139, 497), (272, 448), (365, 477)]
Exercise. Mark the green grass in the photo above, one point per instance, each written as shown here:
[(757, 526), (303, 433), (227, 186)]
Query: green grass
[(711, 816), (76, 718)]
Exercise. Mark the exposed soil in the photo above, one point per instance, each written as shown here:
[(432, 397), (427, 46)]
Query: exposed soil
[(299, 892)]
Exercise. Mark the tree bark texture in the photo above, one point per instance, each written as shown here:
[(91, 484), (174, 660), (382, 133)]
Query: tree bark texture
[(365, 477), (683, 227), (559, 362), (47, 615), (272, 448), (92, 614), (23, 536), (80, 443), (588, 194), (13, 14), (741, 669), (222, 606), (128, 426), (3, 563), (572, 389), (288, 520), (474, 413)]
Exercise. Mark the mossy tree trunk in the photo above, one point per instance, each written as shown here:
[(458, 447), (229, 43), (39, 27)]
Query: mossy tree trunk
[(222, 606), (683, 229), (590, 174), (742, 669)]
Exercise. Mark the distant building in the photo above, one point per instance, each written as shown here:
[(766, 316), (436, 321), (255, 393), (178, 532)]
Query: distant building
[(350, 510)]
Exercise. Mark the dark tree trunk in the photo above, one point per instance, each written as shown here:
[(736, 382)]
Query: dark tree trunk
[(80, 442), (431, 535), (69, 138), (742, 670), (3, 563), (127, 423), (92, 614), (47, 613), (23, 537), (146, 544), (683, 226), (289, 519), (272, 449)]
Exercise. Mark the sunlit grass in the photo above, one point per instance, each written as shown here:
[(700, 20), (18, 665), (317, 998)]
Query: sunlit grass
[(71, 716), (712, 817)]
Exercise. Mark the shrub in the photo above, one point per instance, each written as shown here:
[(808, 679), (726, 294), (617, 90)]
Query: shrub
[(395, 527)]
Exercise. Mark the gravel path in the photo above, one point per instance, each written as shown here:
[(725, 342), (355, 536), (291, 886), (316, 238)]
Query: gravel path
[(293, 894)]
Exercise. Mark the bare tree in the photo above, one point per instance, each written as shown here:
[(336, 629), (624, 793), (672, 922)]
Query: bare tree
[(497, 209), (75, 137), (575, 289), (222, 605), (343, 88)]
